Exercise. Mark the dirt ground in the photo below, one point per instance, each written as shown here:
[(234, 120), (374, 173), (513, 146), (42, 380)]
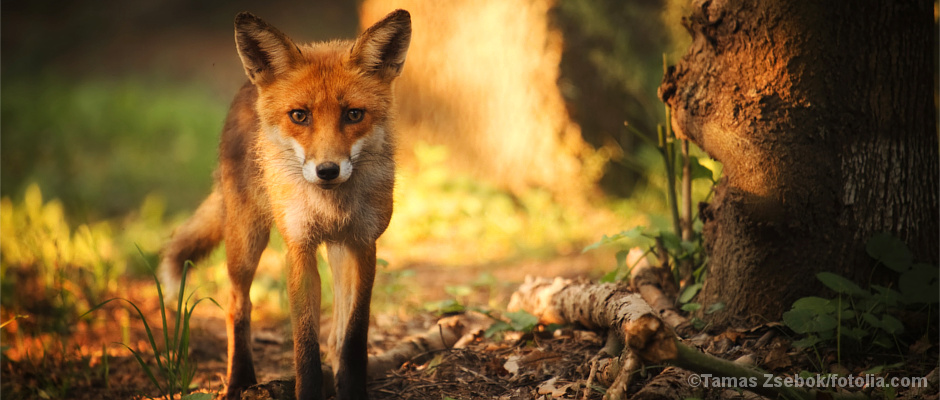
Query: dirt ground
[(73, 365), (547, 363)]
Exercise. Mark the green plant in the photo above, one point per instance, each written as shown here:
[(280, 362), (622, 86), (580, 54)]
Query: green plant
[(173, 363), (864, 318), (680, 247), (50, 271), (515, 321)]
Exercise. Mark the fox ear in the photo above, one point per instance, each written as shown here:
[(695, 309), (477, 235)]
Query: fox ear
[(264, 50), (382, 48)]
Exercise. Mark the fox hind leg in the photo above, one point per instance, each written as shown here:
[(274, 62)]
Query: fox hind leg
[(246, 237)]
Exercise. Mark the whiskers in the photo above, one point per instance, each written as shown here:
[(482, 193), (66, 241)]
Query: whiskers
[(287, 164), (367, 158), (284, 161)]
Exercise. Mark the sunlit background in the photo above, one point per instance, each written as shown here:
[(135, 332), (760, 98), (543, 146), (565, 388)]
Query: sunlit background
[(524, 129)]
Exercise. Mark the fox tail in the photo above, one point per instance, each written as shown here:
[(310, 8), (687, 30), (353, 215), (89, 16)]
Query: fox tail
[(192, 241)]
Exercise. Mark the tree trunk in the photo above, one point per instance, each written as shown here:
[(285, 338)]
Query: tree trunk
[(482, 80), (824, 117)]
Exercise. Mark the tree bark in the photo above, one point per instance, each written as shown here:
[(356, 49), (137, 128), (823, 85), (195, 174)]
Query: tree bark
[(824, 117)]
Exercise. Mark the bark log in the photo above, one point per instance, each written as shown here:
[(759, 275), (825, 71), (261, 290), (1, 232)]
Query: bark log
[(609, 306), (824, 118), (597, 306)]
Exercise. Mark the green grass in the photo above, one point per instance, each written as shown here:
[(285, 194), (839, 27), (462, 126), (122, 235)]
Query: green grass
[(175, 369), (102, 145)]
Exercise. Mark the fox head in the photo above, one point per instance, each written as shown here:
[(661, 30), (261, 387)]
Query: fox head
[(326, 104)]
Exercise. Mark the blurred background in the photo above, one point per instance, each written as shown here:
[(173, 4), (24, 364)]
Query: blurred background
[(515, 148), (105, 104)]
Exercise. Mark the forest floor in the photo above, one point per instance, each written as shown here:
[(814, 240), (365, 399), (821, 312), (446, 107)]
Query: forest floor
[(542, 364), (51, 354)]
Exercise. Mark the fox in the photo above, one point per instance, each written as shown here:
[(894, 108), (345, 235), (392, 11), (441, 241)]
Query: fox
[(307, 146)]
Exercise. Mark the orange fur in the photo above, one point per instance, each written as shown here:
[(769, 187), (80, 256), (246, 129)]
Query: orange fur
[(308, 145)]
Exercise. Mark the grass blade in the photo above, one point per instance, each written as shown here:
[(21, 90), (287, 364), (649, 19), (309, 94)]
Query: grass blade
[(145, 367)]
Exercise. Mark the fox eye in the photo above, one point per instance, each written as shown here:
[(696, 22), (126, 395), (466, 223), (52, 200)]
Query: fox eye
[(354, 115), (300, 117)]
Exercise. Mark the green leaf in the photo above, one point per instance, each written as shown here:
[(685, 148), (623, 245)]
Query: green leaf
[(700, 171), (855, 333), (880, 368), (691, 307), (609, 277), (891, 325), (840, 284), (497, 327), (890, 251), (872, 305), (890, 392), (522, 321), (634, 233), (621, 257), (458, 290), (808, 341), (689, 248), (198, 396), (871, 320), (699, 273), (802, 320), (874, 370), (816, 304), (671, 241), (715, 308), (920, 284), (887, 296), (883, 341), (689, 292), (445, 306)]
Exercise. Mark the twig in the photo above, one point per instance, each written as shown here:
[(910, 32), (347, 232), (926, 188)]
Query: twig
[(685, 266), (590, 380)]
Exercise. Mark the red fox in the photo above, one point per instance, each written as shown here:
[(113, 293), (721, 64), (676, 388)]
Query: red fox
[(308, 145)]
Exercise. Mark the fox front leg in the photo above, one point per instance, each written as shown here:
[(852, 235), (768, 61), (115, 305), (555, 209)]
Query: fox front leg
[(353, 267)]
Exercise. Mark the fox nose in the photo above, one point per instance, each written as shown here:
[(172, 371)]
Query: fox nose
[(328, 171)]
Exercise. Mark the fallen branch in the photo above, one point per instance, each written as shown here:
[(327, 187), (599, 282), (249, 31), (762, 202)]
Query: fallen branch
[(451, 332), (647, 280), (613, 307)]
